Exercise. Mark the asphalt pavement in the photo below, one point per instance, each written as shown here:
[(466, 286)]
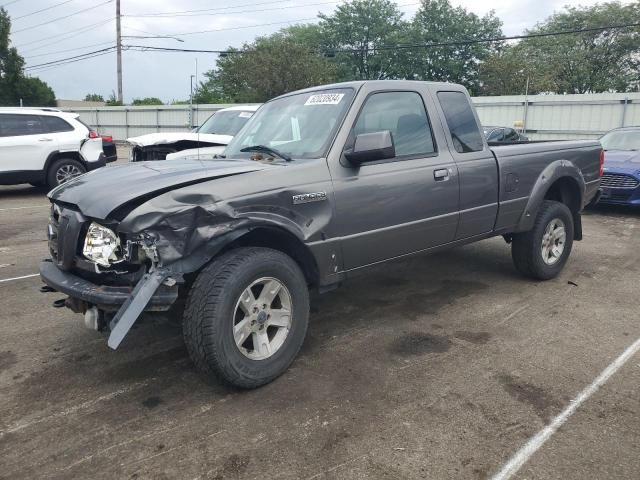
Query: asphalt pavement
[(434, 367)]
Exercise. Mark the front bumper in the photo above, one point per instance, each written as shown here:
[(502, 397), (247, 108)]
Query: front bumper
[(107, 298), (620, 196)]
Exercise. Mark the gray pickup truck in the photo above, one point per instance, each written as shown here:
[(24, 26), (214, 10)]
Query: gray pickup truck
[(318, 185)]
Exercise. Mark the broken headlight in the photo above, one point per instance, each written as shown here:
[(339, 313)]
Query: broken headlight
[(101, 245)]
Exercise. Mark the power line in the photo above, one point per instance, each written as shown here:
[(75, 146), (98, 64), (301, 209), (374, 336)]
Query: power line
[(179, 13), (62, 18), (144, 48), (403, 46), (224, 12), (381, 47), (69, 49), (50, 67), (9, 3), (67, 35), (42, 10), (244, 26), (76, 57), (489, 40)]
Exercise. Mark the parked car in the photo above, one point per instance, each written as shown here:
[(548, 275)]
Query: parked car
[(216, 131), (621, 179), (497, 135), (45, 146), (109, 148), (319, 185)]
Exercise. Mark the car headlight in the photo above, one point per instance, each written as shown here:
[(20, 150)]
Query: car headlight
[(101, 245)]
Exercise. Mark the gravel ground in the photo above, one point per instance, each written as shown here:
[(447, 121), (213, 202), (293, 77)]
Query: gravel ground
[(436, 367)]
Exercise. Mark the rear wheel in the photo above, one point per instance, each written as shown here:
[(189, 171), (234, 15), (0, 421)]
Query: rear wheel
[(246, 316), (63, 170), (542, 252)]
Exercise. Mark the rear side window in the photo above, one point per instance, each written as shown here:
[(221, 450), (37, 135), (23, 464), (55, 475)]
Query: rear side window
[(512, 135), (13, 125), (464, 129), (404, 115), (496, 136), (55, 124)]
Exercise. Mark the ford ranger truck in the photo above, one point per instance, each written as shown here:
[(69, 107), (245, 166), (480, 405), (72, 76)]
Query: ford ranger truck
[(321, 184)]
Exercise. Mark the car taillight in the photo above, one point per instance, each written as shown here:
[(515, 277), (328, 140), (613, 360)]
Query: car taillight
[(93, 134), (107, 138), (601, 162)]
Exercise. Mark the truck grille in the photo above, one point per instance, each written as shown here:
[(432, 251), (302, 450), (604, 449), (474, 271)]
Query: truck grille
[(617, 180)]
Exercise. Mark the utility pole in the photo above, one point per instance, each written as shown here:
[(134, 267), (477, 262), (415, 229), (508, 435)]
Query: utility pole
[(119, 51)]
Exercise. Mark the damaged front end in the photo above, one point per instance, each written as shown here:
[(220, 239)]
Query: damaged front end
[(104, 274), (133, 259)]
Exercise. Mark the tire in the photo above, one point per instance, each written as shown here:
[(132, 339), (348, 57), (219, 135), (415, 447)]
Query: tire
[(62, 170), (527, 248), (214, 309)]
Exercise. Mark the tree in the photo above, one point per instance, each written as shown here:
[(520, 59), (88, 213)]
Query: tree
[(264, 69), (437, 21), (113, 101), (586, 62), (361, 27), (35, 93), (93, 97), (210, 90), (14, 85), (508, 72), (147, 101)]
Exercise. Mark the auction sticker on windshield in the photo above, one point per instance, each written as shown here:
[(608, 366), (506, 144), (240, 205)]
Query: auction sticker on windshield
[(324, 99)]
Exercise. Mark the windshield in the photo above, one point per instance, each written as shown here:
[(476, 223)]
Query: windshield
[(621, 140), (300, 126), (225, 123)]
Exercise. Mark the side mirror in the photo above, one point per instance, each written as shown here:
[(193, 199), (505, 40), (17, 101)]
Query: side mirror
[(370, 147)]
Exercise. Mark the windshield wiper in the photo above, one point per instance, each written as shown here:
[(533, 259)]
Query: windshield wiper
[(265, 149)]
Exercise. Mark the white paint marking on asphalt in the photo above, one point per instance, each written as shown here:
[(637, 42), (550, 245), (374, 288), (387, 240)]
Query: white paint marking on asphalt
[(19, 278), (21, 425), (21, 208), (525, 453)]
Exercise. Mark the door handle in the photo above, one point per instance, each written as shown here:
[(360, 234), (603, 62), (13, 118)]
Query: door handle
[(45, 140), (441, 174)]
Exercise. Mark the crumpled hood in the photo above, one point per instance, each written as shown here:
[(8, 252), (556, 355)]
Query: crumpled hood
[(173, 137), (100, 192), (622, 161), (205, 153)]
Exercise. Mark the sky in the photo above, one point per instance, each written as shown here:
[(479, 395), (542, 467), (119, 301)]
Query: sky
[(72, 27)]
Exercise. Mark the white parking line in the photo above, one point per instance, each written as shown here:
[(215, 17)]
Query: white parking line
[(21, 208), (525, 453), (19, 278)]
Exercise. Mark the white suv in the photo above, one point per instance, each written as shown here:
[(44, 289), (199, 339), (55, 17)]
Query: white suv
[(44, 146)]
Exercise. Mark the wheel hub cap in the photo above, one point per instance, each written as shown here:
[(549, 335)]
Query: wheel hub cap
[(262, 318), (67, 172), (553, 241)]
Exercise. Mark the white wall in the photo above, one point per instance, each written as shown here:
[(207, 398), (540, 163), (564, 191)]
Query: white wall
[(562, 116)]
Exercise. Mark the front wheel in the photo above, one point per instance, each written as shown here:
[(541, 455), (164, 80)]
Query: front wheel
[(542, 252), (246, 316)]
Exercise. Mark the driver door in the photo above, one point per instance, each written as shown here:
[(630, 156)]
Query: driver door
[(398, 206)]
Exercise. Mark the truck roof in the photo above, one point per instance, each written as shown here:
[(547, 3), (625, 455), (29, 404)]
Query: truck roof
[(382, 84)]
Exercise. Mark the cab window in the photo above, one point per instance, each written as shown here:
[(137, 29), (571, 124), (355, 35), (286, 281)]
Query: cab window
[(464, 129), (404, 115)]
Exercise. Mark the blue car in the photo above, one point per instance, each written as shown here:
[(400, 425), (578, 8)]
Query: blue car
[(620, 183)]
